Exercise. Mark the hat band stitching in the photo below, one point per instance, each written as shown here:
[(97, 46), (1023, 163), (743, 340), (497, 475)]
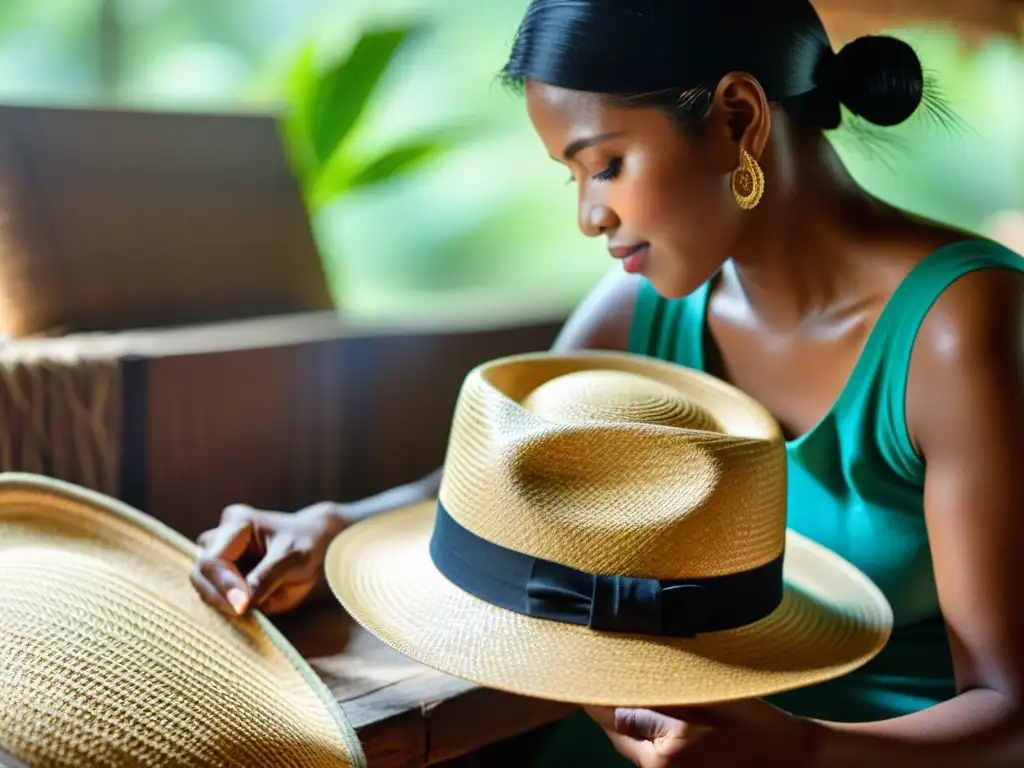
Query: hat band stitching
[(545, 589)]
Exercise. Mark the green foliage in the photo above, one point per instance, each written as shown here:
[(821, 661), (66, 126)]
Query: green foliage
[(490, 219), (344, 173), (325, 104)]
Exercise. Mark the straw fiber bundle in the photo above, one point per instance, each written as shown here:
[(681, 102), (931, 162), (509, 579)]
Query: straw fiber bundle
[(60, 414)]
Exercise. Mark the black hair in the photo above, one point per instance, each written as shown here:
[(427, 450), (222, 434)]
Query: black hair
[(671, 54)]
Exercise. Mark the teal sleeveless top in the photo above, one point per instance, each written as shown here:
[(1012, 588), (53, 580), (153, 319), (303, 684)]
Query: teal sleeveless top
[(856, 484)]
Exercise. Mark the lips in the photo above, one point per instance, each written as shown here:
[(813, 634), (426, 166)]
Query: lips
[(632, 256)]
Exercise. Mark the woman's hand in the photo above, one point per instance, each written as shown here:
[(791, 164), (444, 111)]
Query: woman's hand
[(288, 548), (733, 735)]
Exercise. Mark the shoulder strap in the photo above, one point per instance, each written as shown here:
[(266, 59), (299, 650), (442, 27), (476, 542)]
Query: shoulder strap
[(669, 329), (903, 316)]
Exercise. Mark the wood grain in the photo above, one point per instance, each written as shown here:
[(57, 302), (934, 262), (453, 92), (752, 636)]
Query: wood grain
[(407, 715), (117, 219), (282, 425)]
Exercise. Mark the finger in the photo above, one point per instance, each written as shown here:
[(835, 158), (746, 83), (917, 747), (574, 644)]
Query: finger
[(282, 560), (694, 715), (230, 540), (284, 598), (631, 749), (660, 731), (642, 724), (750, 711), (221, 585)]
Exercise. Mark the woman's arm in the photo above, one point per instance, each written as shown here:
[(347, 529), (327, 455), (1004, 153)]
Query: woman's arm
[(965, 413), (965, 416), (291, 547)]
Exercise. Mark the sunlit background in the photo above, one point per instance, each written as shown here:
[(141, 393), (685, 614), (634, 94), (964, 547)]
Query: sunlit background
[(440, 198)]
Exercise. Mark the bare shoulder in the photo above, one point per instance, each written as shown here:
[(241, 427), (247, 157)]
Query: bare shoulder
[(965, 410), (602, 320), (969, 352), (979, 313)]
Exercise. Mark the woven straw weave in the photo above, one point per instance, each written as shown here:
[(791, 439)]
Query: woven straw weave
[(617, 465), (109, 658), (608, 470), (60, 414)]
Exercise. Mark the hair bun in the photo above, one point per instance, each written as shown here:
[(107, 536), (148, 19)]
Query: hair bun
[(879, 78)]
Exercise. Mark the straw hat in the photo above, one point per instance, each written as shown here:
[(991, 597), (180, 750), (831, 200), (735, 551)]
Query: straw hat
[(108, 656), (611, 529)]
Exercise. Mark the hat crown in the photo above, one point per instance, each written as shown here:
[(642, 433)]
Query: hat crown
[(616, 464), (617, 396)]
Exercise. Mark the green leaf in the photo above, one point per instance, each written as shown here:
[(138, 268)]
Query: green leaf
[(334, 178), (296, 123), (344, 89), (396, 162), (340, 175)]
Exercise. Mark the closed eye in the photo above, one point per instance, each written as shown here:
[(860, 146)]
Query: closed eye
[(609, 173)]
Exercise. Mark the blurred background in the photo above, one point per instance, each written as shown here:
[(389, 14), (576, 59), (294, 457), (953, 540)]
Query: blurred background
[(426, 189), (167, 334)]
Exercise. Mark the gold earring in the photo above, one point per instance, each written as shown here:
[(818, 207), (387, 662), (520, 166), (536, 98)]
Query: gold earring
[(747, 182)]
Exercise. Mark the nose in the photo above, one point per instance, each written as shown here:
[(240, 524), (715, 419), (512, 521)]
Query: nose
[(595, 218)]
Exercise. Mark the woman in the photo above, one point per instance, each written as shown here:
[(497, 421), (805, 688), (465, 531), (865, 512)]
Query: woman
[(889, 348)]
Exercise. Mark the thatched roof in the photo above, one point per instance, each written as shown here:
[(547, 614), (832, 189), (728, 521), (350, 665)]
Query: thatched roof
[(847, 19)]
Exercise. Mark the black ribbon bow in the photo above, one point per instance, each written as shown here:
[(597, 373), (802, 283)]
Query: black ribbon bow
[(548, 590)]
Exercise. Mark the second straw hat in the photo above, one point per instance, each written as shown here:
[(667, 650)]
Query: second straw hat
[(109, 658)]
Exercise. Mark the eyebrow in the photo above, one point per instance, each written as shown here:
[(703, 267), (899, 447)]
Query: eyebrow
[(575, 147)]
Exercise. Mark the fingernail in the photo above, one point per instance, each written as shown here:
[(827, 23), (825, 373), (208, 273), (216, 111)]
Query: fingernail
[(238, 599)]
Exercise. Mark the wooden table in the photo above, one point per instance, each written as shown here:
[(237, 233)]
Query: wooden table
[(406, 714)]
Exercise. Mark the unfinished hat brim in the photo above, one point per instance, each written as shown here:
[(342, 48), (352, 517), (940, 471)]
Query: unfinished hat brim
[(109, 657)]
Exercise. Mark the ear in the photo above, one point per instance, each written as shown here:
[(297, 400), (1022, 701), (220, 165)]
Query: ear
[(740, 117)]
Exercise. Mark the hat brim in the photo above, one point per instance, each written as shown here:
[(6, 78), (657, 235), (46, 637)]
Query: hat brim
[(832, 620), (107, 653)]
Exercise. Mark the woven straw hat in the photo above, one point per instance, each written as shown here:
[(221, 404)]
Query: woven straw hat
[(109, 658), (611, 529)]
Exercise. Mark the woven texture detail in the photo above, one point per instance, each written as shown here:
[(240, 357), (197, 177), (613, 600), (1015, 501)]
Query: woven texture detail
[(109, 658), (61, 416), (608, 466), (616, 465), (831, 621)]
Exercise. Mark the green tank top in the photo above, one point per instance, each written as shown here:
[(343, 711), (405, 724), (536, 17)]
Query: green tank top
[(856, 484)]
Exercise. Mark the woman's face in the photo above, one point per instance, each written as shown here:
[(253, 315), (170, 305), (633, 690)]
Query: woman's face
[(660, 197)]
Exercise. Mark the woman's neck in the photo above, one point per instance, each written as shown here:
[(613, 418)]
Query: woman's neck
[(805, 244)]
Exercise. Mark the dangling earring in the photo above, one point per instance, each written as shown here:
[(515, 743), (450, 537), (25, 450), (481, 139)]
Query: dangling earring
[(747, 182)]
